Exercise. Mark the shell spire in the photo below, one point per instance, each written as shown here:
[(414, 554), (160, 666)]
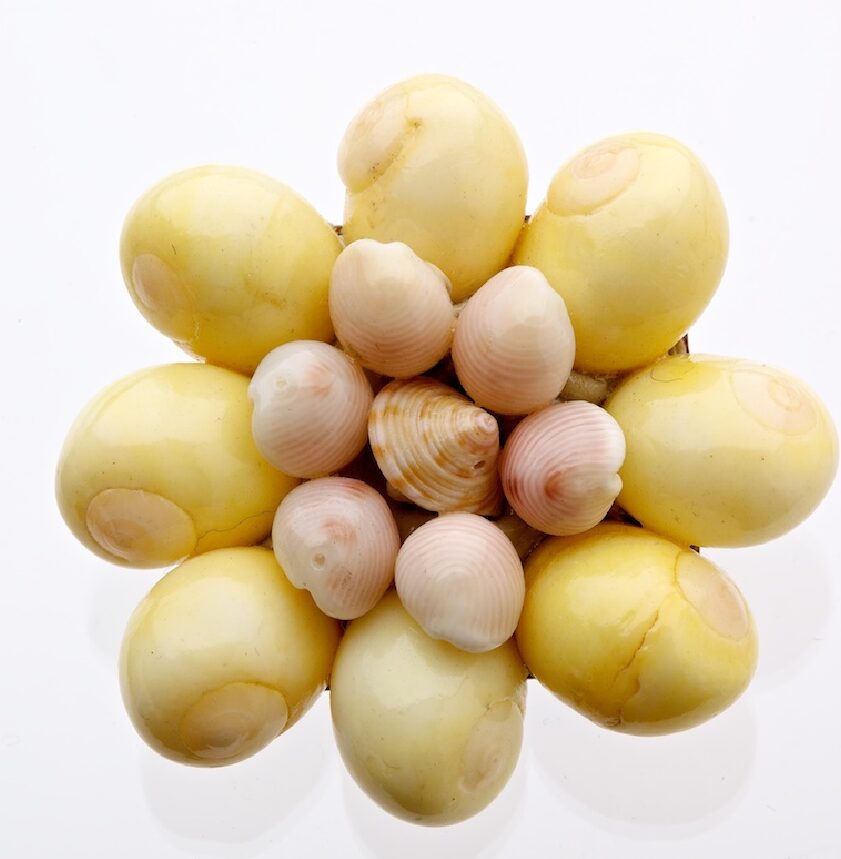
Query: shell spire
[(435, 447)]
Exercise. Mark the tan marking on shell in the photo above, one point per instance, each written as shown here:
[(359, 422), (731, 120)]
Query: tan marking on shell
[(391, 309), (311, 405), (514, 345), (417, 424), (460, 578), (559, 467), (336, 538)]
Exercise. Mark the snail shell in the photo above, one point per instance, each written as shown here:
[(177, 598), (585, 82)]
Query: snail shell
[(460, 578), (311, 404), (435, 447), (391, 309), (514, 344), (559, 467), (336, 538)]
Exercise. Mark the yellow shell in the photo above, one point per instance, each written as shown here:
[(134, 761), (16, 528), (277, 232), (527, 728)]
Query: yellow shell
[(161, 465), (435, 447), (720, 451), (229, 263), (434, 163), (633, 235), (429, 732), (636, 632), (222, 656)]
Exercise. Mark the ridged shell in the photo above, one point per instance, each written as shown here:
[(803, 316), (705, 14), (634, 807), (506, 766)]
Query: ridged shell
[(409, 518), (336, 538), (559, 467), (391, 309), (311, 405), (460, 578), (514, 344), (436, 447)]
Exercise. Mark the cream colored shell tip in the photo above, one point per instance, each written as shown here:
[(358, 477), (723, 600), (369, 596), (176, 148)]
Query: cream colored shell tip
[(390, 309), (435, 447), (460, 578), (559, 467), (336, 538), (514, 344), (311, 404)]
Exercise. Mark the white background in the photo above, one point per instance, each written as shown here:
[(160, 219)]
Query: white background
[(100, 100)]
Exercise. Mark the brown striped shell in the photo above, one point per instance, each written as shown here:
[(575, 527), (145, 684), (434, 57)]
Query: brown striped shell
[(435, 447), (311, 405), (559, 467), (390, 309), (336, 538), (514, 345), (460, 578)]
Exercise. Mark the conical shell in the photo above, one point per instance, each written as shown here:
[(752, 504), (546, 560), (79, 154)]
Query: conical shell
[(514, 344), (390, 309), (437, 448), (336, 538), (311, 405), (559, 467), (460, 578)]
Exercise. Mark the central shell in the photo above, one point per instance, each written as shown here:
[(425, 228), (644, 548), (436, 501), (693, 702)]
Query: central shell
[(435, 447)]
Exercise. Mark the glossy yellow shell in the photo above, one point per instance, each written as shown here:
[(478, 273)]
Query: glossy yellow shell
[(229, 263), (633, 235), (720, 451), (161, 465), (433, 163), (634, 631), (429, 732), (223, 655)]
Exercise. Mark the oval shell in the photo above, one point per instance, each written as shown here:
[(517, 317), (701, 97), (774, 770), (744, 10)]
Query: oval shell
[(461, 580), (722, 452), (514, 345), (336, 538), (559, 467), (429, 732), (434, 163), (390, 309), (435, 447), (161, 465), (221, 656), (636, 632), (229, 263), (311, 405), (633, 235)]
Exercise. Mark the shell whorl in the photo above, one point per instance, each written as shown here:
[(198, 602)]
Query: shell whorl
[(559, 467), (460, 578)]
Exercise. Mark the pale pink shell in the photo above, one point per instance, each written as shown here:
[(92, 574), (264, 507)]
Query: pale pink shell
[(514, 344), (435, 447), (559, 467), (391, 309), (336, 538), (460, 578), (311, 405)]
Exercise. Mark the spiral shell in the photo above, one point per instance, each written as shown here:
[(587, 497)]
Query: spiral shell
[(437, 448), (310, 403), (390, 309), (559, 467), (336, 538), (460, 578), (514, 344)]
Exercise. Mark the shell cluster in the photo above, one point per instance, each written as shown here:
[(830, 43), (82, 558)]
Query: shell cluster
[(492, 389)]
